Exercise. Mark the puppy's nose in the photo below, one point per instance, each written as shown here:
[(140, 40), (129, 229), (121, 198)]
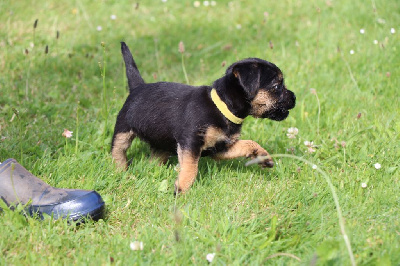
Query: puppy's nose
[(290, 99), (287, 99), (293, 101)]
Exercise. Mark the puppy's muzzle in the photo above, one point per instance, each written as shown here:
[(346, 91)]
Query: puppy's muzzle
[(289, 99), (281, 109)]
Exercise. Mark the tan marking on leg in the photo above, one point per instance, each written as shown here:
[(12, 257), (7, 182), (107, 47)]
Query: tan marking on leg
[(212, 136), (121, 143), (234, 138), (188, 163), (246, 148), (160, 156), (261, 103)]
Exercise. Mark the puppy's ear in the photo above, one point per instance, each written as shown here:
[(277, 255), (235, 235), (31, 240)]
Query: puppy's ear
[(248, 76)]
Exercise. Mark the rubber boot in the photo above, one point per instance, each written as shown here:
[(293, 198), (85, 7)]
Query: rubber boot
[(18, 186)]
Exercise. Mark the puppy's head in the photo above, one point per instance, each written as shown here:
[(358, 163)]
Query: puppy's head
[(264, 88)]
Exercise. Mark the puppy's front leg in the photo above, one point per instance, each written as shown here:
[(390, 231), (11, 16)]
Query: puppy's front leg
[(248, 149), (188, 162)]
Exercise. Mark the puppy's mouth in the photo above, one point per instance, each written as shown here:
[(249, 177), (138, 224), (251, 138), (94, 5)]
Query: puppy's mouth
[(280, 111), (277, 115), (274, 107)]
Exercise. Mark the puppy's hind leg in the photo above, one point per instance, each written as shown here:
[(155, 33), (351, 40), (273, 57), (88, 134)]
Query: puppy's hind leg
[(120, 143), (188, 162)]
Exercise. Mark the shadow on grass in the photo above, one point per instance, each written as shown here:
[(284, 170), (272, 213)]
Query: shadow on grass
[(140, 152)]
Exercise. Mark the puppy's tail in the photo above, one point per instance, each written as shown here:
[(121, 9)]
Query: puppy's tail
[(132, 72)]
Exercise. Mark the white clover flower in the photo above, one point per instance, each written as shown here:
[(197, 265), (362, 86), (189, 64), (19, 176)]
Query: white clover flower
[(351, 51), (362, 31), (363, 185), (210, 257), (238, 26), (381, 21), (206, 3), (67, 133), (196, 3), (136, 245), (213, 3), (310, 146), (392, 31), (164, 1), (375, 41), (292, 132), (377, 166), (113, 17), (99, 28), (314, 166)]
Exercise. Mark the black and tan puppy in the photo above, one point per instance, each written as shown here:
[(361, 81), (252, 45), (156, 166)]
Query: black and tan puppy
[(200, 121)]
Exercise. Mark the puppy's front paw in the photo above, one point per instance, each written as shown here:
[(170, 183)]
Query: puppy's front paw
[(267, 163), (263, 160)]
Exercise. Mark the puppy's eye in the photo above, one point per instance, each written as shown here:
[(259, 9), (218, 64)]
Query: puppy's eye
[(275, 87)]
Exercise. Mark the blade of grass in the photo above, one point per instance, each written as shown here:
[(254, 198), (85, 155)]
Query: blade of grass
[(331, 187)]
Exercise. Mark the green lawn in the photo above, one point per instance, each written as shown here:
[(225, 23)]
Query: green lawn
[(346, 51)]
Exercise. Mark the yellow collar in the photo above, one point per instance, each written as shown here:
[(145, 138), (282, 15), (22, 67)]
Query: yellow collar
[(224, 109)]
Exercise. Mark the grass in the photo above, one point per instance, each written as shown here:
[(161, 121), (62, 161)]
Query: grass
[(245, 215)]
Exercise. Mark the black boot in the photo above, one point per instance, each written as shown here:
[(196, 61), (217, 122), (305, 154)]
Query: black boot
[(18, 186)]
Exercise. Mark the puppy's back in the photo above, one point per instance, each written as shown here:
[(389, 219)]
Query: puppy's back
[(157, 112)]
